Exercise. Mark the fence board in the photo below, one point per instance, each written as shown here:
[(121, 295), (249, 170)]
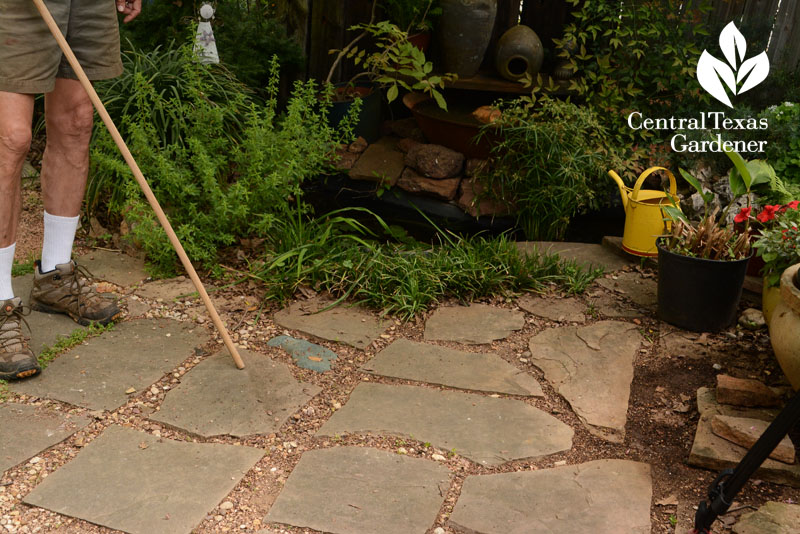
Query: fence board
[(784, 49)]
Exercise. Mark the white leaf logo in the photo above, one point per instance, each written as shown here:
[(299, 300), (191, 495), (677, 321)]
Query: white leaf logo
[(711, 72)]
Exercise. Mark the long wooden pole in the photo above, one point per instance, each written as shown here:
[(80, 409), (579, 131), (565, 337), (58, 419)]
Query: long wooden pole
[(137, 173)]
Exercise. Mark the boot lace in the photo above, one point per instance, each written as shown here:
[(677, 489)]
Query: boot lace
[(10, 329)]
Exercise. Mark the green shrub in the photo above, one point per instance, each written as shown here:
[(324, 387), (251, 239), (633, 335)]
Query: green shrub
[(551, 162), (214, 188), (783, 147), (635, 56)]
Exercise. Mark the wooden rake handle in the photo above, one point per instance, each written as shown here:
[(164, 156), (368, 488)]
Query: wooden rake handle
[(137, 173)]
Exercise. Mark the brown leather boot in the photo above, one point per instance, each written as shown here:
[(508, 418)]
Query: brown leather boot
[(68, 289), (16, 358)]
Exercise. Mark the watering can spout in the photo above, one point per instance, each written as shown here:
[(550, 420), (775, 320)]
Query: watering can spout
[(622, 189)]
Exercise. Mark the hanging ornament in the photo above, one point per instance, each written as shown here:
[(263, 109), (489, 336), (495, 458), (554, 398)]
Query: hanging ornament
[(205, 46)]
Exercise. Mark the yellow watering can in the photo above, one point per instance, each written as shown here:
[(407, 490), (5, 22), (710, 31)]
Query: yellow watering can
[(644, 219)]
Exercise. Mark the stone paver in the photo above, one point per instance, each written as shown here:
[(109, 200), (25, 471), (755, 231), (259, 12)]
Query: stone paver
[(169, 290), (715, 453), (642, 291), (772, 518), (475, 324), (441, 365), (707, 405), (27, 430), (133, 355), (612, 307), (114, 267), (592, 367), (584, 253), (487, 430), (746, 431), (570, 309), (382, 161), (215, 398), (306, 355), (142, 484), (357, 490), (351, 326), (598, 497)]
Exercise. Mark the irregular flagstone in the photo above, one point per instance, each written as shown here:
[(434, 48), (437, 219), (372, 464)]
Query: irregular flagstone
[(27, 430), (772, 518), (114, 267), (351, 326), (587, 254), (609, 306), (569, 309), (598, 497), (592, 367), (715, 453), (745, 432), (642, 291), (141, 484), (707, 405), (745, 392), (215, 398), (168, 290), (306, 355), (487, 430), (357, 490), (474, 324), (441, 365), (134, 354)]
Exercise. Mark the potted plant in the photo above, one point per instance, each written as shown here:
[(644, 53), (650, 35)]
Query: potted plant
[(777, 246), (415, 17), (392, 62), (702, 265)]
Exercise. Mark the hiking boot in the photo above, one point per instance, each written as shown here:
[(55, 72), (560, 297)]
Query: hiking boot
[(68, 289), (16, 359)]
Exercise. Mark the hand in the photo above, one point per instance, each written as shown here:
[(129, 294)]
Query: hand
[(130, 8)]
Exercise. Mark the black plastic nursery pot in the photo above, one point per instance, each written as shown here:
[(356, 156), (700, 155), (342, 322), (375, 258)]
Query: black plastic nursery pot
[(369, 118), (698, 294)]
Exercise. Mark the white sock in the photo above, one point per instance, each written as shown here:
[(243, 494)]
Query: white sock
[(6, 262), (59, 234)]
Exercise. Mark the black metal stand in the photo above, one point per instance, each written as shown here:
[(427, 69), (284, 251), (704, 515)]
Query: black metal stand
[(730, 481)]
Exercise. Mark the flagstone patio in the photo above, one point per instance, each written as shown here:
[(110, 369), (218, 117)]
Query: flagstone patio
[(173, 428)]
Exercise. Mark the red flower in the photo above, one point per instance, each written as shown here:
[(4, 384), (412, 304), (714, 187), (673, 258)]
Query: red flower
[(743, 215), (768, 213), (793, 204)]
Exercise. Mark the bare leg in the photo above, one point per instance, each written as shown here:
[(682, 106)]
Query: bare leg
[(16, 114), (65, 165)]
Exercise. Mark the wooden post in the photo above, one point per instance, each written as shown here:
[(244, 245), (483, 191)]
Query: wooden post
[(137, 173)]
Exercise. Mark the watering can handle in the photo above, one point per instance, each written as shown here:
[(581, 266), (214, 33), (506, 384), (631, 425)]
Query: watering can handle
[(673, 187), (622, 188)]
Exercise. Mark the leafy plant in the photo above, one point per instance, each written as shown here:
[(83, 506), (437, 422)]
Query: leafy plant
[(634, 56), (394, 63), (411, 15), (216, 188), (713, 238), (550, 159), (783, 147), (778, 244), (339, 254)]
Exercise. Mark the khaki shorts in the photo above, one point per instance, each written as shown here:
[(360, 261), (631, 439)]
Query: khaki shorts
[(30, 59)]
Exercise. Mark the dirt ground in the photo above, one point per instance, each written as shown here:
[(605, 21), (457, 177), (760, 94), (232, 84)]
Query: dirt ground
[(662, 413)]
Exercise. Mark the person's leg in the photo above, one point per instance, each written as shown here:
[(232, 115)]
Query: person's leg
[(59, 286), (16, 114), (65, 166)]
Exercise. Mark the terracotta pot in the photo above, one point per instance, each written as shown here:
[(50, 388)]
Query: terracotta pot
[(519, 52), (784, 328), (421, 40), (464, 31), (770, 297)]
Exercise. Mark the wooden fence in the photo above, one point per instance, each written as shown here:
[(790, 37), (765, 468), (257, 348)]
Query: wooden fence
[(321, 25)]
